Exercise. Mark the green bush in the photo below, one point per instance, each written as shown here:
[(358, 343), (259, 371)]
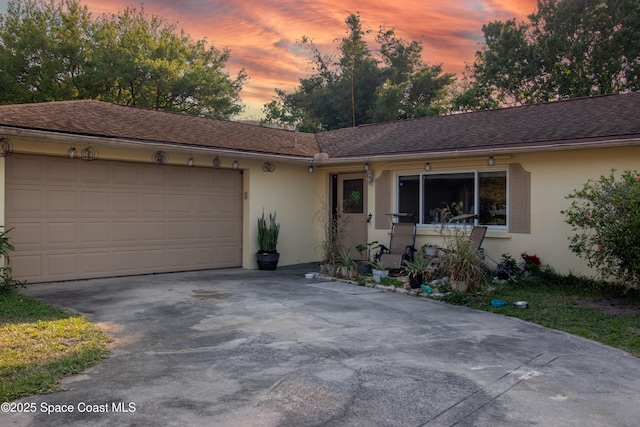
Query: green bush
[(7, 283), (605, 216)]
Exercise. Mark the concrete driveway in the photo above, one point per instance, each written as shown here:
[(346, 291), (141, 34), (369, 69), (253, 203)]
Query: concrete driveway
[(255, 348)]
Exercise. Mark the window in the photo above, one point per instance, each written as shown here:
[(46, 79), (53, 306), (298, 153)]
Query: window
[(460, 197)]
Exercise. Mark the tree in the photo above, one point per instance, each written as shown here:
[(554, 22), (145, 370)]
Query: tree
[(605, 216), (57, 51), (355, 89), (43, 48), (567, 49), (355, 55), (412, 88)]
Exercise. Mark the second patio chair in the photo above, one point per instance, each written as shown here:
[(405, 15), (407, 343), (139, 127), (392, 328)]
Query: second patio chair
[(401, 246), (476, 237)]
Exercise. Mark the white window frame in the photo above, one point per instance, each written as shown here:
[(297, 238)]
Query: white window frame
[(476, 192)]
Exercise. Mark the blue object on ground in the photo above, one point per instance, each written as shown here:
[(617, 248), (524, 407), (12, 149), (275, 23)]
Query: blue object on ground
[(497, 303), (427, 289)]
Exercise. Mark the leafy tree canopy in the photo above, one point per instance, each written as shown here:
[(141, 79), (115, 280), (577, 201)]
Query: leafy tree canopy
[(56, 50), (357, 88), (567, 49)]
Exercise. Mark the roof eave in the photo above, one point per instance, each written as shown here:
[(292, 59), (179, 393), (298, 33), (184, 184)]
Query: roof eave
[(71, 138), (629, 140)]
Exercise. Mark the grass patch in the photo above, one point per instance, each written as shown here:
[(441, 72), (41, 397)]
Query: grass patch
[(578, 306), (391, 281), (39, 344)]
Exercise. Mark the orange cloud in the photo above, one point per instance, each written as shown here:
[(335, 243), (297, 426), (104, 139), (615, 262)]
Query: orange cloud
[(263, 35)]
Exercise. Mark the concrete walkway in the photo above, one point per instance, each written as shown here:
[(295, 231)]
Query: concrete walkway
[(255, 348)]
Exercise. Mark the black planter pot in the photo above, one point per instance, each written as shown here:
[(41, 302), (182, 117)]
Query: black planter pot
[(415, 281), (267, 261), (364, 267)]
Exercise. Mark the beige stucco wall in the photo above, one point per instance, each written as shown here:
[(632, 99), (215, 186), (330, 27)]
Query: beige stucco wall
[(554, 175), (290, 191)]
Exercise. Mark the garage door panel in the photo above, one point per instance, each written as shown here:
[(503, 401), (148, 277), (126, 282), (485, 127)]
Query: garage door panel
[(94, 263), (29, 266), (153, 231), (107, 218), (93, 201), (204, 205), (153, 259), (126, 262), (153, 203), (203, 256), (126, 202), (154, 176), (26, 233), (226, 230), (226, 255), (179, 203), (61, 171), (204, 178), (62, 201), (96, 173), (126, 231), (179, 230), (226, 204), (180, 257), (125, 174), (26, 169), (61, 233), (94, 232), (61, 264), (204, 230), (226, 181), (179, 179), (25, 201)]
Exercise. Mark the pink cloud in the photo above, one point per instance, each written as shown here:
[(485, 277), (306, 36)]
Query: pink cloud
[(262, 35)]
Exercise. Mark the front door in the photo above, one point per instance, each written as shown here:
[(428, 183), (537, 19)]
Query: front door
[(352, 210)]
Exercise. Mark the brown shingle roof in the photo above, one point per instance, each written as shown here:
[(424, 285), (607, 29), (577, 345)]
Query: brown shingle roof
[(102, 119), (574, 120), (600, 118)]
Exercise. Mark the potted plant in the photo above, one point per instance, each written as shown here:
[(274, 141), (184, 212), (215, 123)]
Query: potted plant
[(430, 250), (346, 263), (267, 255), (364, 266), (463, 265), (379, 270), (417, 269)]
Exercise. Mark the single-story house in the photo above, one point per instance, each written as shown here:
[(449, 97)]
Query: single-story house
[(93, 189)]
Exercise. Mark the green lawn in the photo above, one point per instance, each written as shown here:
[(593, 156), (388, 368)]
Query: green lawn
[(569, 304), (39, 344)]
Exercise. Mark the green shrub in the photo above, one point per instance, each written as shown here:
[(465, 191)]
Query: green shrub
[(605, 216), (7, 283)]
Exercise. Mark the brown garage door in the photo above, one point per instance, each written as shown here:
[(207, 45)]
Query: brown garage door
[(75, 219)]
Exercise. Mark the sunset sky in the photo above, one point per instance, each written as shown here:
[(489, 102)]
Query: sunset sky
[(263, 35)]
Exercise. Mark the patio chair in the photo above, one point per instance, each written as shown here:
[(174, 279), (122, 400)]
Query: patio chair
[(401, 245), (476, 237)]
